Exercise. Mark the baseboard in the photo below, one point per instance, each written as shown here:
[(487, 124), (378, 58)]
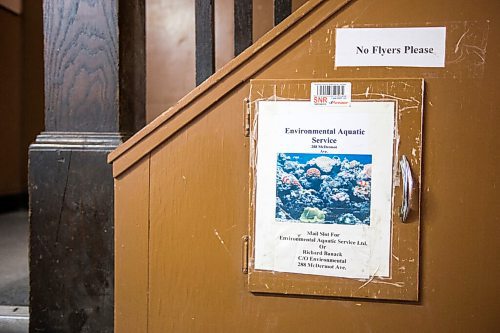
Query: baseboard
[(14, 319)]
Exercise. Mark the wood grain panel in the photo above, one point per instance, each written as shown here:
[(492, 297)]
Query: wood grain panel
[(131, 249), (81, 65), (198, 193), (201, 168), (71, 237)]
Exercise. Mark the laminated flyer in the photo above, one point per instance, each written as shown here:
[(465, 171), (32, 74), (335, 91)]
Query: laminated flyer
[(323, 201)]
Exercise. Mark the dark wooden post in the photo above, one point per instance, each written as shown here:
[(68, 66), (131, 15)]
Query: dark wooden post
[(282, 8), (242, 25), (205, 39), (94, 97)]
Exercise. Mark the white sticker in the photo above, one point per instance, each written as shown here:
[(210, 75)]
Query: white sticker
[(403, 47), (331, 93)]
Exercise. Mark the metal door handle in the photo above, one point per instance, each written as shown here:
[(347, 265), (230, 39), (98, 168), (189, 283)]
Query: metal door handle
[(407, 179)]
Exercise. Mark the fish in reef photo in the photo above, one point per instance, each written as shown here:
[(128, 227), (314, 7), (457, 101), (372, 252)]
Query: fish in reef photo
[(323, 188)]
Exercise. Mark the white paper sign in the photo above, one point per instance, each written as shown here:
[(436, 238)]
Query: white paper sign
[(324, 188), (408, 47)]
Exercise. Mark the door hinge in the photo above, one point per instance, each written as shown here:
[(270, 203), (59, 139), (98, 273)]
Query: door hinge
[(246, 116), (244, 261)]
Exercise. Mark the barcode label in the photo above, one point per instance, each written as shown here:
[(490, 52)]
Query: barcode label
[(329, 90), (331, 93)]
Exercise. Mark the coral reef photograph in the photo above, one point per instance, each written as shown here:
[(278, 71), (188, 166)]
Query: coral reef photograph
[(323, 188)]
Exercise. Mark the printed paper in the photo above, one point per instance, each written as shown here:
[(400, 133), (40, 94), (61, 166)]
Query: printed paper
[(324, 188), (408, 47)]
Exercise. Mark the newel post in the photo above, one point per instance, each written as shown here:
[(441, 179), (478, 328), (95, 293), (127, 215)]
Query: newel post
[(94, 56)]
